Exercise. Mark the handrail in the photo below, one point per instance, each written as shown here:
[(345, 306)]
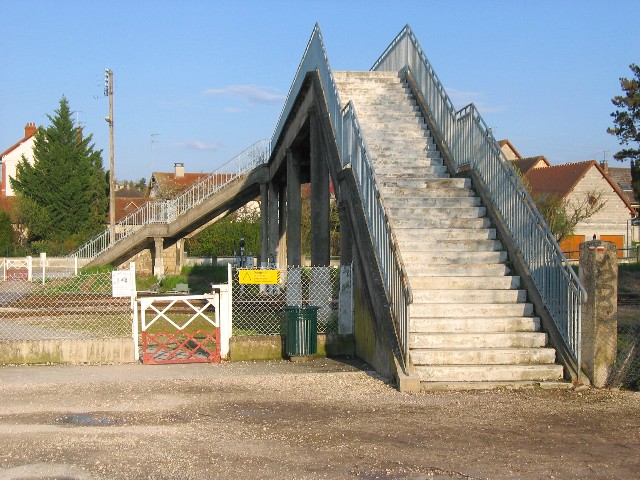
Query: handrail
[(390, 262), (471, 143), (314, 58), (166, 211)]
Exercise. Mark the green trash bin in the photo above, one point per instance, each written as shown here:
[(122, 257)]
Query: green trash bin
[(302, 330)]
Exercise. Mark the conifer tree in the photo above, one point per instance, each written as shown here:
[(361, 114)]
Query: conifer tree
[(63, 195), (627, 124)]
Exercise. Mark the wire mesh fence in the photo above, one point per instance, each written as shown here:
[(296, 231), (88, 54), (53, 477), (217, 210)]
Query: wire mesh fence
[(626, 372), (259, 309), (78, 307)]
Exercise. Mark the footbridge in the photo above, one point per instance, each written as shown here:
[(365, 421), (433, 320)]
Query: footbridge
[(458, 280)]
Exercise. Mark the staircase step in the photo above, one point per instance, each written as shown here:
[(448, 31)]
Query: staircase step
[(386, 170), (471, 310), (463, 270), (471, 296), (411, 233), (442, 223), (465, 283), (404, 192), (427, 183), (491, 373), (479, 325), (484, 356), (448, 257), (430, 202), (468, 246), (437, 212), (478, 340)]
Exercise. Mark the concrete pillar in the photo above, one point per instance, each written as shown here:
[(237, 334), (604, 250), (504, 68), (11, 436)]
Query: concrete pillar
[(158, 263), (294, 210), (599, 275), (282, 226), (181, 256), (320, 240), (274, 223), (264, 225), (346, 243)]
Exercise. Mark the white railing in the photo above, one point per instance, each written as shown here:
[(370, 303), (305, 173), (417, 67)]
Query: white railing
[(471, 143), (166, 211)]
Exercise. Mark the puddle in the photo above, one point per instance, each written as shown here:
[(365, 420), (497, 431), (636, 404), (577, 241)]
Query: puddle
[(87, 419)]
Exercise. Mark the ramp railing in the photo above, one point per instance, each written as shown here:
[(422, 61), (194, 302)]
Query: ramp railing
[(471, 143), (166, 211)]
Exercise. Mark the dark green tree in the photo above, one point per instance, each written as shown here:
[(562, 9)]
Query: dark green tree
[(7, 235), (626, 122), (63, 195)]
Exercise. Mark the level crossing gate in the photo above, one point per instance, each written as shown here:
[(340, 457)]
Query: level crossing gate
[(179, 329)]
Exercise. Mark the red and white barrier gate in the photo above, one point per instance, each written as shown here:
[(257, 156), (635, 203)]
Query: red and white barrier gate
[(180, 329)]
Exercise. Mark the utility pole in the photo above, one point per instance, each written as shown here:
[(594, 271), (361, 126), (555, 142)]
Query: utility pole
[(108, 91)]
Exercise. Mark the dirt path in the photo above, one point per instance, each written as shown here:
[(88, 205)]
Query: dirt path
[(300, 421)]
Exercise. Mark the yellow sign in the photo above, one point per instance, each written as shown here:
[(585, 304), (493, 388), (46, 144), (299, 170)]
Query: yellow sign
[(258, 277)]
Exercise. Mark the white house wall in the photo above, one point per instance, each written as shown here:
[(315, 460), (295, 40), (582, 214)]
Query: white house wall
[(11, 159), (612, 219)]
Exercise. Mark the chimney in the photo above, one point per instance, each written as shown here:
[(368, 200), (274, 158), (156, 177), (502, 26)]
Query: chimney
[(179, 170), (29, 130)]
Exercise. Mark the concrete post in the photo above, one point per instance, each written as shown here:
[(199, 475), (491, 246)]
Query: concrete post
[(158, 263), (282, 228), (264, 225), (599, 275), (294, 210), (320, 240), (180, 255), (346, 243), (274, 223)]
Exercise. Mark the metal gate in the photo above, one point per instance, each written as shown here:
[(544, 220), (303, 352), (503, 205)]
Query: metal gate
[(179, 329)]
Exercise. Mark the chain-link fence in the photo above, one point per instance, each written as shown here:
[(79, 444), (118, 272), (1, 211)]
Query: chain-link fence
[(626, 372), (259, 309), (79, 307)]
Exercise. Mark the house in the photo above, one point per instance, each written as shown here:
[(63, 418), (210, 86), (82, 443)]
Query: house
[(10, 158), (581, 182), (509, 150), (622, 176), (163, 185), (128, 200), (525, 165)]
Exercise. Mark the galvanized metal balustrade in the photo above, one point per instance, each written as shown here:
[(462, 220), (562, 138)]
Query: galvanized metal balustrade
[(471, 144), (167, 211)]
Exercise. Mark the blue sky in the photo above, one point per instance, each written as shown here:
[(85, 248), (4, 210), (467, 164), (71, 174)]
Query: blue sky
[(206, 79)]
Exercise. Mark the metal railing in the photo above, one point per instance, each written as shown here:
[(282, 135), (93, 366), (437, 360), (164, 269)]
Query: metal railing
[(314, 58), (166, 211), (390, 262), (472, 144), (353, 151)]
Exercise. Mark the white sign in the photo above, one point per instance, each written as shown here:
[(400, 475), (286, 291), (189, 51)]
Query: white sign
[(121, 283)]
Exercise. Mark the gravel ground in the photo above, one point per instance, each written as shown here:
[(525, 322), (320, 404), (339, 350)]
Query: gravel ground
[(280, 420)]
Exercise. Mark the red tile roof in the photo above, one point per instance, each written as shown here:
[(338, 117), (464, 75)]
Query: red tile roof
[(562, 179), (526, 164)]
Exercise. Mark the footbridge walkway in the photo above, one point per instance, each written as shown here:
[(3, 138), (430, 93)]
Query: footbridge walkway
[(458, 280)]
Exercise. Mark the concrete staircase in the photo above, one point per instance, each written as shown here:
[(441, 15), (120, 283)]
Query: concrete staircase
[(470, 325)]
